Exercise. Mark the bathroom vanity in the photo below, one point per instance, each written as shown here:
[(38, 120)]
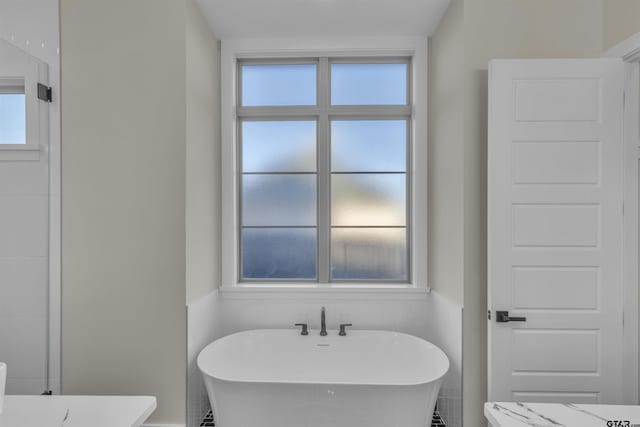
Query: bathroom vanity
[(518, 414), (76, 411)]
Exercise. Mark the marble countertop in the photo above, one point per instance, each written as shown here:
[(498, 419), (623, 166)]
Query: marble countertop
[(518, 414), (76, 411)]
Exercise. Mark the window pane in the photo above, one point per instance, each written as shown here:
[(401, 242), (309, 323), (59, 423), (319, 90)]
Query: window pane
[(275, 85), (276, 146), (272, 200), (369, 146), (12, 118), (279, 253), (368, 84), (369, 254), (368, 199)]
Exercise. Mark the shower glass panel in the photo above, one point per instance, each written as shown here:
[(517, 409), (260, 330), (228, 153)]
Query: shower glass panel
[(25, 340)]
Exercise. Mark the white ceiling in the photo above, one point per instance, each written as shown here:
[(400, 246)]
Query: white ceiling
[(230, 19)]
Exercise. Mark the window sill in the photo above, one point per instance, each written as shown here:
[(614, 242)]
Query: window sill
[(20, 152), (334, 292)]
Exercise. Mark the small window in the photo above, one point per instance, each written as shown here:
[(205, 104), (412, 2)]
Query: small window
[(323, 180), (12, 114)]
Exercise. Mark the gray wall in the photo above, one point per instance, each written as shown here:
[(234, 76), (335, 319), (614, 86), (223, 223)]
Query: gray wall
[(446, 154), (123, 200), (488, 29), (621, 20), (203, 156)]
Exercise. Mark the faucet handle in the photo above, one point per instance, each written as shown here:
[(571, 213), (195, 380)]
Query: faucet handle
[(343, 331), (304, 328)]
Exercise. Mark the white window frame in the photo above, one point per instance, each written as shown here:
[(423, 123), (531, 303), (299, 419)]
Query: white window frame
[(234, 50)]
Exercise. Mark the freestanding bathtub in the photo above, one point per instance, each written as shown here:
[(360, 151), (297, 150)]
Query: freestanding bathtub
[(278, 378)]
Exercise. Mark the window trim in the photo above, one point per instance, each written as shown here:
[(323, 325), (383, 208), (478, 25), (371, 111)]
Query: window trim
[(366, 48)]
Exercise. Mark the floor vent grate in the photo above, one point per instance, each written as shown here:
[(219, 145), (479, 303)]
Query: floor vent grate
[(437, 421), (207, 421)]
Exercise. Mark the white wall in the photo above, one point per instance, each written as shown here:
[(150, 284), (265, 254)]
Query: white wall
[(204, 322), (33, 26)]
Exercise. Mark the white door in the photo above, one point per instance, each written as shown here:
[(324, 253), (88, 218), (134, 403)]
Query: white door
[(24, 217), (555, 230)]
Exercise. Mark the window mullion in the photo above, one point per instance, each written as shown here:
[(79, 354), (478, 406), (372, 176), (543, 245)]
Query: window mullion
[(324, 175)]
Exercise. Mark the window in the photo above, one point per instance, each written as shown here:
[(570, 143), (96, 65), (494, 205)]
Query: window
[(12, 113), (319, 170)]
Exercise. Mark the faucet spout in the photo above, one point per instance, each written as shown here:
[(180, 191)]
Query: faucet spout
[(323, 325)]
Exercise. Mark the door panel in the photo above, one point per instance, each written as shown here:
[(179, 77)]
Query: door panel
[(555, 230)]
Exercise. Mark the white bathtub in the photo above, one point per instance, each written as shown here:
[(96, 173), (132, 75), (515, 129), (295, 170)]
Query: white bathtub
[(278, 378)]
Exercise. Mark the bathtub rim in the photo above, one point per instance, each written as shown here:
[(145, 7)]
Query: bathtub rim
[(439, 378)]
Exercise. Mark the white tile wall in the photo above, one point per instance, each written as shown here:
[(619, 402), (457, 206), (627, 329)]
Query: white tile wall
[(23, 323), (30, 272), (204, 325), (432, 317), (25, 226), (407, 316), (444, 329), (24, 347), (19, 177)]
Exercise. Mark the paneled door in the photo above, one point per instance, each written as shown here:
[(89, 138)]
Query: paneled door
[(24, 221), (555, 224)]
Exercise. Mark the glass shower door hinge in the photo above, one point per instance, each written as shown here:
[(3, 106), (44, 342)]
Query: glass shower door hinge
[(44, 93)]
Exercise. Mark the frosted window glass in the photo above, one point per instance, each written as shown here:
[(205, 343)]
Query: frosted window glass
[(368, 84), (369, 146), (369, 254), (279, 146), (13, 126), (278, 85), (368, 199), (279, 200), (279, 253)]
